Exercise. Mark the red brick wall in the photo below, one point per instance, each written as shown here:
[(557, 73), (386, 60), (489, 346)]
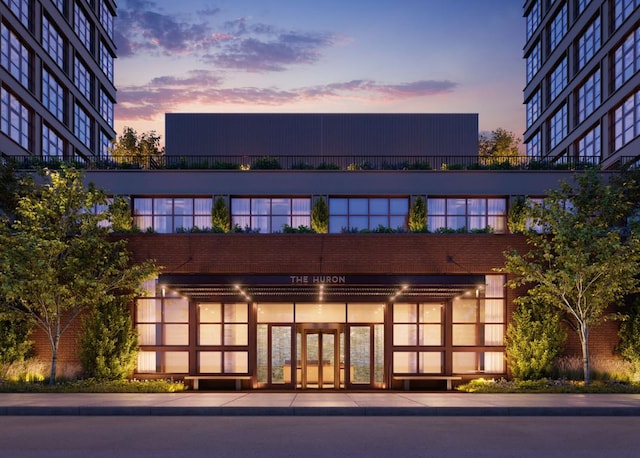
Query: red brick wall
[(327, 254)]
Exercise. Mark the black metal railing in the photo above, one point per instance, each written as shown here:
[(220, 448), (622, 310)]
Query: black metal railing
[(349, 163)]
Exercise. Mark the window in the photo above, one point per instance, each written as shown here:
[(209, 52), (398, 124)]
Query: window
[(163, 328), (467, 214), (479, 321), (533, 146), (589, 146), (623, 9), (627, 58), (106, 107), (589, 96), (82, 125), (15, 119), (533, 18), (558, 126), (627, 121), (582, 4), (223, 335), (106, 18), (52, 144), (21, 9), (533, 108), (60, 5), (558, 28), (52, 95), (358, 213), (418, 338), (82, 26), (171, 214), (106, 61), (589, 43), (82, 78), (533, 62), (558, 79), (14, 56), (105, 144), (270, 214), (52, 42)]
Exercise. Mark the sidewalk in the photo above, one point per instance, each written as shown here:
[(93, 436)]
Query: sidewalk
[(319, 404)]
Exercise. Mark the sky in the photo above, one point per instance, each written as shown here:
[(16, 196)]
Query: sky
[(322, 56)]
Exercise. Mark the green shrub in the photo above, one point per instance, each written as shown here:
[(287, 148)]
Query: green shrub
[(266, 163), (220, 219), (14, 338), (286, 229), (108, 342), (629, 347), (535, 336), (418, 215), (320, 216)]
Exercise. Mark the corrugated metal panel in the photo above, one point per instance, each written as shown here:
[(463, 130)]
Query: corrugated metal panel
[(321, 134)]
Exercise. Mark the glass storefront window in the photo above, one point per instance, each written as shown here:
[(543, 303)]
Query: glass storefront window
[(365, 313), (320, 313), (275, 313)]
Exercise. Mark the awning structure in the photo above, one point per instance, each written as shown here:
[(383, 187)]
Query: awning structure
[(318, 287)]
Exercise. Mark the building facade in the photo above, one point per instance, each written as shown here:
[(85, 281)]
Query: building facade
[(368, 305), (56, 78), (582, 80)]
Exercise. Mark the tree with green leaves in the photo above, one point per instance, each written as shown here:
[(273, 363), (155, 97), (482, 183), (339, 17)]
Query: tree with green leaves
[(418, 215), (220, 219), (499, 143), (108, 342), (131, 148), (320, 216), (56, 260), (535, 336), (583, 261)]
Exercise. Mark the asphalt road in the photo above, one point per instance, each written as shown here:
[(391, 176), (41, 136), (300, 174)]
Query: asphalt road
[(121, 436)]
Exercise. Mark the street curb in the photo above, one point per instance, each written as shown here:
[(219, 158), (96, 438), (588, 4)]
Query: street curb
[(320, 411)]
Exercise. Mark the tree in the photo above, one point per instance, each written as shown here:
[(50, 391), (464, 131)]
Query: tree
[(56, 261), (320, 216), (12, 186), (535, 336), (418, 215), (130, 148), (499, 143), (220, 220), (108, 343), (582, 261)]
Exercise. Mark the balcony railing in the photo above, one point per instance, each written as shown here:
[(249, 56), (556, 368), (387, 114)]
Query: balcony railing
[(318, 163)]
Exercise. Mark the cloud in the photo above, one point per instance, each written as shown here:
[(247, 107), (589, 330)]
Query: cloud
[(202, 87), (274, 54), (142, 28)]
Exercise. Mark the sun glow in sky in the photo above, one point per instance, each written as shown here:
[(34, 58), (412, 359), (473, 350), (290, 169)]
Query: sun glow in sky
[(323, 56)]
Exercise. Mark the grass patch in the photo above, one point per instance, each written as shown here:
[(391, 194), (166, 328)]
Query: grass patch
[(482, 385), (93, 386)]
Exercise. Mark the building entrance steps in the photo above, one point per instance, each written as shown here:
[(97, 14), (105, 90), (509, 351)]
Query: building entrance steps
[(319, 404)]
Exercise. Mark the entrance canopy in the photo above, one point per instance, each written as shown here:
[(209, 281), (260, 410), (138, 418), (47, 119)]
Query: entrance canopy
[(320, 287)]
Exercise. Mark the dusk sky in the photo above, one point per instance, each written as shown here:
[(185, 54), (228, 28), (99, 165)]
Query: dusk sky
[(329, 56)]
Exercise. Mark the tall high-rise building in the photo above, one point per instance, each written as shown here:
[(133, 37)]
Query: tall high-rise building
[(56, 77), (582, 91)]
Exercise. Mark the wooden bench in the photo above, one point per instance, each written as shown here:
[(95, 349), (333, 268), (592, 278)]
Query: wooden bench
[(196, 379), (407, 379)]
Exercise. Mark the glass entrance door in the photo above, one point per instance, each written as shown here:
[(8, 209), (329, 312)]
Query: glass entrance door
[(321, 360)]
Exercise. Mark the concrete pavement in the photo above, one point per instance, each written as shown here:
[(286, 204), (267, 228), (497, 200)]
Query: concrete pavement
[(319, 404)]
